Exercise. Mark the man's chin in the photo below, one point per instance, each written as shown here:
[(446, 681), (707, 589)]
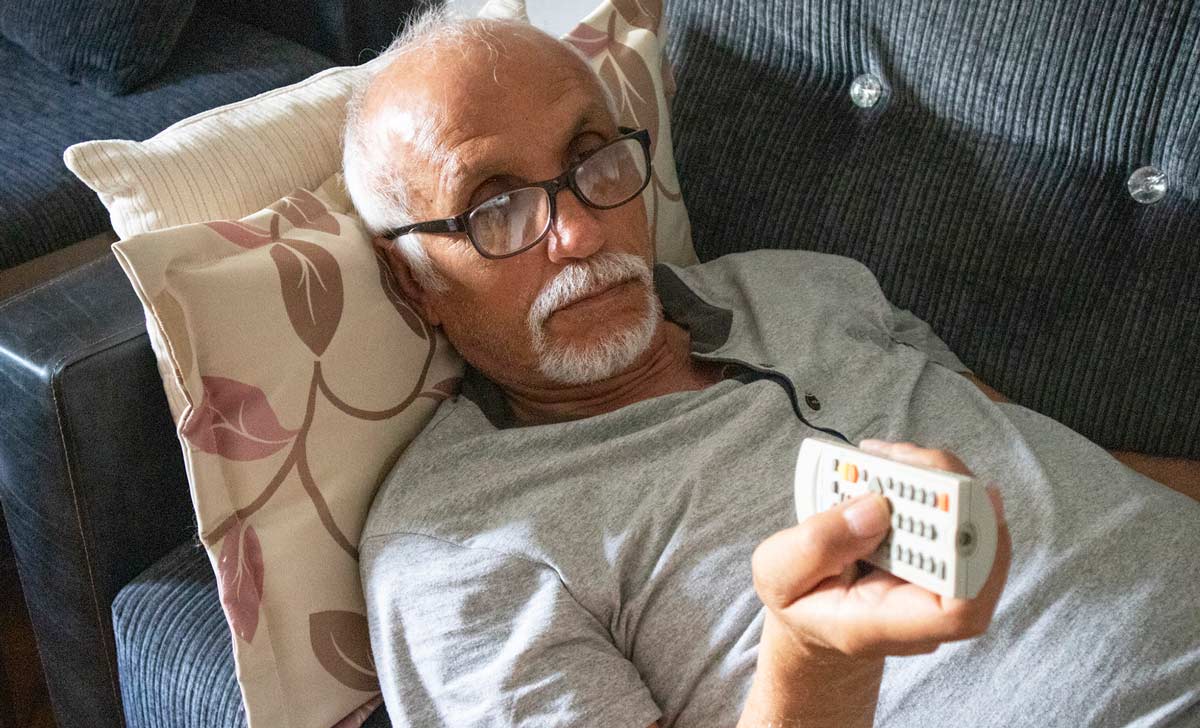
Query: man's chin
[(587, 362)]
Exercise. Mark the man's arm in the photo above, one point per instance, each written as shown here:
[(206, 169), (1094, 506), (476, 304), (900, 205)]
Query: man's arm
[(1178, 474), (827, 630)]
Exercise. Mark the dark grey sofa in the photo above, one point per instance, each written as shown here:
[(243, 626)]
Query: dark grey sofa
[(986, 188), (81, 524)]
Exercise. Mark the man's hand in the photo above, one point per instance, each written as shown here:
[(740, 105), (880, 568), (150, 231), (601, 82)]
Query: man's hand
[(827, 628)]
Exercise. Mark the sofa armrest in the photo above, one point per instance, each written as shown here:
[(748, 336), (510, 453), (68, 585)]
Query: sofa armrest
[(338, 29), (91, 475)]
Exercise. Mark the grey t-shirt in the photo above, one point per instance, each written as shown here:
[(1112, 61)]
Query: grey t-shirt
[(597, 572)]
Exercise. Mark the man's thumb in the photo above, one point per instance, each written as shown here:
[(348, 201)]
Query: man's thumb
[(792, 562)]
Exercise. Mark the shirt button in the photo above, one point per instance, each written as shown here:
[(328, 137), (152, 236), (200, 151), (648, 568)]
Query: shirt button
[(865, 91), (1147, 185), (811, 400)]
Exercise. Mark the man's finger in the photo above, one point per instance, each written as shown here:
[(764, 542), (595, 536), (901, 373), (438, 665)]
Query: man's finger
[(791, 562), (907, 452)]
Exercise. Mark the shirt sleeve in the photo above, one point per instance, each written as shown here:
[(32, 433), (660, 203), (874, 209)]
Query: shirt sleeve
[(472, 637), (912, 331)]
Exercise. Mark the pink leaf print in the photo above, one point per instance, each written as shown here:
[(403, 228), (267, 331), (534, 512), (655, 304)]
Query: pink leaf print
[(303, 210), (235, 420), (311, 282), (240, 568), (399, 301), (242, 234), (642, 13), (587, 39), (341, 643)]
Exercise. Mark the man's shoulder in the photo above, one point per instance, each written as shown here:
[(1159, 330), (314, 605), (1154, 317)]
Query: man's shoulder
[(440, 453), (768, 284), (771, 270)]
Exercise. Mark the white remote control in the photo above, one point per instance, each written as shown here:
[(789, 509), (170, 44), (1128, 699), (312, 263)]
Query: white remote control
[(943, 535)]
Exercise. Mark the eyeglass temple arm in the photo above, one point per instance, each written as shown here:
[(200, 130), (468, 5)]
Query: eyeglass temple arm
[(449, 225)]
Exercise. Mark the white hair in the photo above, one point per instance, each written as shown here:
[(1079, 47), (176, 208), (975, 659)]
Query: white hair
[(567, 364), (377, 187)]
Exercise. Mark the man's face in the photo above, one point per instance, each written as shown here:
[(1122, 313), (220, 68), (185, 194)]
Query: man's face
[(476, 126)]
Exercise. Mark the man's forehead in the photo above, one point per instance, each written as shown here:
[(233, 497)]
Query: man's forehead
[(465, 153), (461, 116)]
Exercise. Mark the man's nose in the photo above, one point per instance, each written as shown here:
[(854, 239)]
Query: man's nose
[(576, 231)]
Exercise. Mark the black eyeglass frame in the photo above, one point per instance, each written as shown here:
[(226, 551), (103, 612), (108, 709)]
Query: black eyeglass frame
[(566, 180)]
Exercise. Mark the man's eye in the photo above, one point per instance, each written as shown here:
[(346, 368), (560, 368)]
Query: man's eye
[(586, 146)]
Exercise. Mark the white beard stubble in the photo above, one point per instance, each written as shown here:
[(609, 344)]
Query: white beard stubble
[(568, 364)]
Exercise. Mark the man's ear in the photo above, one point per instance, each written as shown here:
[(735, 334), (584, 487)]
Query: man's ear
[(409, 286)]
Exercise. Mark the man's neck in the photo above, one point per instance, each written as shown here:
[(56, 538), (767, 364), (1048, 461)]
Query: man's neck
[(665, 367)]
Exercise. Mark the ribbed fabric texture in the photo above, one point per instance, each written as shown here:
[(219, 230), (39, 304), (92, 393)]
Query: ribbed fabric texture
[(174, 650), (42, 205), (111, 46), (174, 654), (986, 189)]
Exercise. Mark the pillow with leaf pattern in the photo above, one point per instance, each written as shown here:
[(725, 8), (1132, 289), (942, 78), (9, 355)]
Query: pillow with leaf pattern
[(296, 373)]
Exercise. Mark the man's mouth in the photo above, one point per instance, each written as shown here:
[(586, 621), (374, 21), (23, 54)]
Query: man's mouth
[(601, 293)]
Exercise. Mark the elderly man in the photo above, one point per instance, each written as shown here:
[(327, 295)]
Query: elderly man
[(599, 530)]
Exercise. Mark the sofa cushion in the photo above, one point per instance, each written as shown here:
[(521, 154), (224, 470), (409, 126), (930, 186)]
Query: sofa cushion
[(112, 47), (986, 187), (42, 205), (174, 651)]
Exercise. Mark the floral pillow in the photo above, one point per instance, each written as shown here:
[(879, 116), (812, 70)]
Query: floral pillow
[(296, 373)]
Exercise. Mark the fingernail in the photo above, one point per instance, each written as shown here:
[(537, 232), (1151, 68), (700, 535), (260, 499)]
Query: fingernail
[(867, 516)]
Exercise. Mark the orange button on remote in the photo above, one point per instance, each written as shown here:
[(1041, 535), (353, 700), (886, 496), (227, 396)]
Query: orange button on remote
[(943, 501), (851, 473)]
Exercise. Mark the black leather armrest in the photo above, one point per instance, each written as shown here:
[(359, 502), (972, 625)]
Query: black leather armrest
[(91, 474)]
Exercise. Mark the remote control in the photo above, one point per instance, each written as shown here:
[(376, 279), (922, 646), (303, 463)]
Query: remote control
[(943, 534)]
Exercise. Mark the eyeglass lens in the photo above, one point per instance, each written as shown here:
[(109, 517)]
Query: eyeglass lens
[(610, 177)]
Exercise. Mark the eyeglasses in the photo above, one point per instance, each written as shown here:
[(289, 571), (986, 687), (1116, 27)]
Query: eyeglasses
[(514, 221)]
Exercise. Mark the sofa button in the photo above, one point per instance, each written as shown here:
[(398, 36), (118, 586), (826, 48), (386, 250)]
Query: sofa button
[(865, 91), (1147, 185), (811, 400)]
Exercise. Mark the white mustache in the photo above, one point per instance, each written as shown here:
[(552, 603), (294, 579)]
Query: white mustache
[(580, 280)]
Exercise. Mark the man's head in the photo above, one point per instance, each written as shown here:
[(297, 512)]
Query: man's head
[(467, 109)]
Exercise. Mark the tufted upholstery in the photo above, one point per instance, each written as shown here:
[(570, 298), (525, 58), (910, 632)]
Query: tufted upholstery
[(986, 189)]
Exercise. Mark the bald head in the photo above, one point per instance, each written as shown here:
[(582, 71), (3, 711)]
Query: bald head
[(416, 126)]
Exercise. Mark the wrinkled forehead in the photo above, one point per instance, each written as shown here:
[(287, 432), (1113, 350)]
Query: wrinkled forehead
[(439, 109)]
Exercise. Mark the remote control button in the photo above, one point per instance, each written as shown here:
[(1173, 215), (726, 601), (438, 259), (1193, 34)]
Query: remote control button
[(876, 486), (920, 528), (942, 570), (943, 502), (865, 476), (920, 497), (891, 485), (835, 486), (932, 534), (931, 566), (836, 465)]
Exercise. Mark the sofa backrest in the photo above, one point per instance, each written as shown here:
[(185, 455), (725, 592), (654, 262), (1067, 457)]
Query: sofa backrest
[(347, 31), (986, 188)]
